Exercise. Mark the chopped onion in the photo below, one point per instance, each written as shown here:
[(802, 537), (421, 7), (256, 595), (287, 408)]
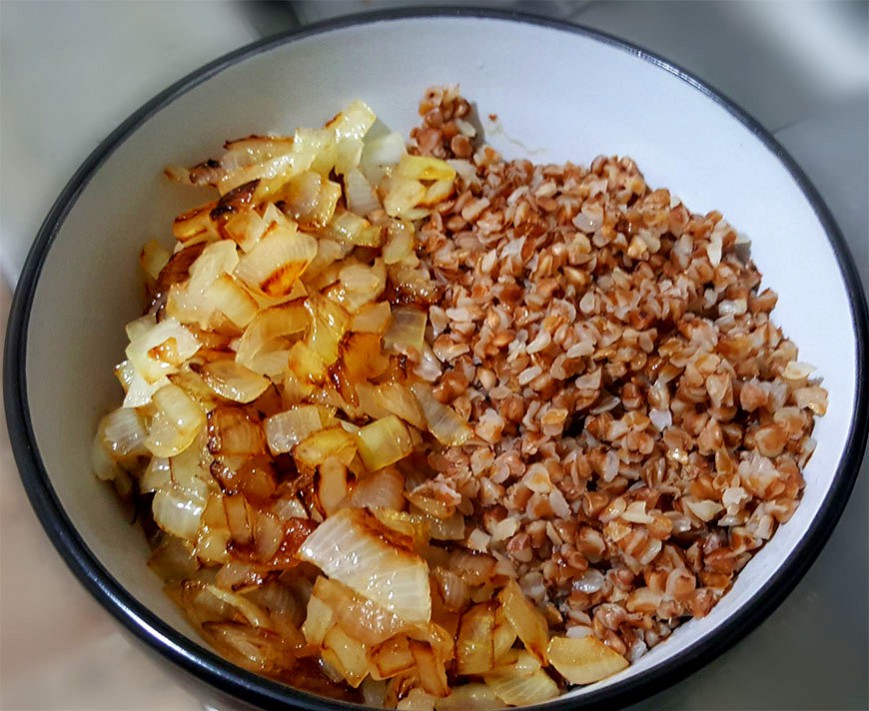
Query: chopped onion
[(276, 322), (392, 398), (432, 674), (246, 229), (332, 441), (123, 434), (350, 547), (406, 333), (329, 323), (353, 122), (311, 199), (362, 284), (229, 298), (443, 422), (153, 258), (233, 381), (160, 349), (178, 512), (360, 617), (104, 465), (216, 259), (348, 155), (383, 442), (175, 424), (320, 618), (277, 261), (475, 640), (157, 475), (584, 660), (359, 194), (286, 429), (372, 318), (382, 489), (345, 655), (349, 228), (524, 690), (391, 658), (251, 612), (470, 697), (527, 619), (399, 244), (232, 432)]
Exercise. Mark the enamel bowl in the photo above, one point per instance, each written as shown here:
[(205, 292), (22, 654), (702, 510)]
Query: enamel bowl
[(560, 93)]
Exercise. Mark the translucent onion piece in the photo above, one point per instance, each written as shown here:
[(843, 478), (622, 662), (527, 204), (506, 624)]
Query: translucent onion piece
[(319, 619), (276, 322), (311, 199), (533, 688), (157, 475), (229, 298), (391, 658), (323, 444), (173, 560), (400, 401), (348, 155), (470, 697), (153, 258), (245, 229), (232, 432), (159, 350), (402, 197), (353, 122), (356, 549), (424, 168), (372, 318), (382, 489), (383, 442), (123, 433), (253, 648), (362, 284), (432, 674), (346, 655), (400, 243), (386, 150), (177, 512), (360, 617), (103, 464), (527, 619), (286, 429), (252, 613), (475, 642), (231, 380), (443, 422), (329, 323), (406, 333), (175, 424), (216, 259), (360, 197), (277, 261), (331, 485), (585, 660), (349, 228), (141, 391)]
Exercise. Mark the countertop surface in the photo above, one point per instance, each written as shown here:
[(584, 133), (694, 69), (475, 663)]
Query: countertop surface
[(70, 72)]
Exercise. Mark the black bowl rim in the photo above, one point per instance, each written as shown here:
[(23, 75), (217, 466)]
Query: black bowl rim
[(250, 688)]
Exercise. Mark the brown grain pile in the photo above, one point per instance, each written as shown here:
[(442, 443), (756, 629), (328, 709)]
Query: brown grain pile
[(641, 422)]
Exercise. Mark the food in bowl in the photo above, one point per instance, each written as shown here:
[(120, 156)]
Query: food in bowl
[(418, 426)]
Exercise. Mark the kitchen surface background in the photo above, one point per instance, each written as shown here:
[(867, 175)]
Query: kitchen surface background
[(71, 71)]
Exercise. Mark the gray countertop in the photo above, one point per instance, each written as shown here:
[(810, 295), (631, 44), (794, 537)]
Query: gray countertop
[(70, 72)]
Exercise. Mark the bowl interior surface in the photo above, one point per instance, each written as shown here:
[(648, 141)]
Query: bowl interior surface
[(569, 97)]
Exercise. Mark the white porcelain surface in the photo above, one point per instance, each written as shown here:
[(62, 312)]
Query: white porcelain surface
[(698, 151)]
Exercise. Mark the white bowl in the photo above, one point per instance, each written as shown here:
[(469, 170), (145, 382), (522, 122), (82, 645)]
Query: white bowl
[(560, 93)]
